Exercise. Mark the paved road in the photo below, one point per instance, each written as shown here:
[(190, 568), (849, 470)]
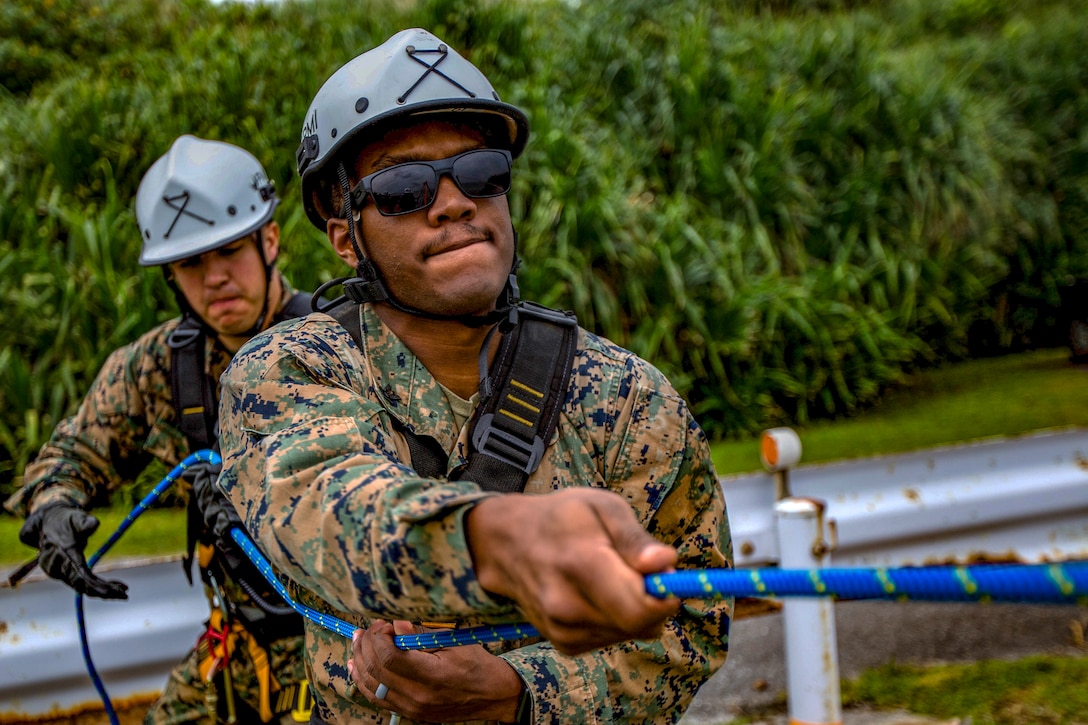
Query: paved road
[(871, 633)]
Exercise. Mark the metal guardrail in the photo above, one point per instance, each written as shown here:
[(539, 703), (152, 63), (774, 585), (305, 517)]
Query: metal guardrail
[(134, 643), (1023, 499), (1019, 499)]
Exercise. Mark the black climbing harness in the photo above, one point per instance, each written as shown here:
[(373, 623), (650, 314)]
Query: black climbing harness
[(521, 397)]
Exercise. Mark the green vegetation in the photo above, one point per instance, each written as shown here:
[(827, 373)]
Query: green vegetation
[(1034, 690), (806, 212), (790, 206), (1037, 690), (957, 402)]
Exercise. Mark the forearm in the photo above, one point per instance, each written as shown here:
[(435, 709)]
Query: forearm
[(109, 440), (649, 680), (65, 469)]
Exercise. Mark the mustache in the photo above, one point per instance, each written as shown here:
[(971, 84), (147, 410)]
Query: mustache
[(450, 236)]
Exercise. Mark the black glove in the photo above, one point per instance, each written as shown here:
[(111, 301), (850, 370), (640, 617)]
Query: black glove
[(218, 513), (60, 531)]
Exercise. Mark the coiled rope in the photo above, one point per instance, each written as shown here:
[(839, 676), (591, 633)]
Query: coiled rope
[(204, 456), (1065, 583)]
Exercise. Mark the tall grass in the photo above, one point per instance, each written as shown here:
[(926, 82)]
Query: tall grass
[(788, 206)]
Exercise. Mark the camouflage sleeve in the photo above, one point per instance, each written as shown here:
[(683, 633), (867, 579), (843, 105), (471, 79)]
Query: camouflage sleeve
[(90, 454), (315, 475), (661, 463)]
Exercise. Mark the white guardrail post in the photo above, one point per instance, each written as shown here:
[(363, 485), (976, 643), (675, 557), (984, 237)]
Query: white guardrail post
[(812, 657)]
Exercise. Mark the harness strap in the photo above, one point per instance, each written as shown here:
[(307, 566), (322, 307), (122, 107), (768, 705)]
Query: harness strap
[(218, 644), (528, 385), (297, 699), (297, 306), (428, 457), (266, 684), (215, 645), (192, 391), (193, 394), (522, 398)]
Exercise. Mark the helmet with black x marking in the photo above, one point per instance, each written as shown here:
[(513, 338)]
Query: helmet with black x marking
[(413, 73), (199, 196)]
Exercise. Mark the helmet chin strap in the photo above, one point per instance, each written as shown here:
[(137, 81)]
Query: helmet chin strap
[(268, 264), (368, 286)]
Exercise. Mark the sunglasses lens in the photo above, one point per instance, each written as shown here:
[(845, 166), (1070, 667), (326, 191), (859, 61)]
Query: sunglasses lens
[(481, 174), (404, 188), (409, 187)]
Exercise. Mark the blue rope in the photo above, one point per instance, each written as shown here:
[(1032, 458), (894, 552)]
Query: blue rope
[(1039, 583), (1065, 583), (205, 456)]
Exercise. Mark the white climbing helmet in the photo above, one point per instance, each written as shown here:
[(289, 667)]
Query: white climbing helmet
[(411, 74), (200, 196)]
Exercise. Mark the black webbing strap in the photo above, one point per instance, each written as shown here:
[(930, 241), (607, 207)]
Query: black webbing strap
[(348, 315), (297, 306), (528, 386), (428, 457), (191, 389), (518, 412)]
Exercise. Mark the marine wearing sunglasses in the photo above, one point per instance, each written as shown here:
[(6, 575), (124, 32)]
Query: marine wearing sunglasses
[(412, 186)]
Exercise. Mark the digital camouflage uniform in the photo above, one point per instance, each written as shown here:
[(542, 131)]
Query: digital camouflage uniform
[(126, 420), (315, 468)]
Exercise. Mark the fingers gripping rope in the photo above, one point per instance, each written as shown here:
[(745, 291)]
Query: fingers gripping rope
[(1039, 583)]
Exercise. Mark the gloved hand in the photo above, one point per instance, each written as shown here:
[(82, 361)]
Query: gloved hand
[(218, 513), (60, 531)]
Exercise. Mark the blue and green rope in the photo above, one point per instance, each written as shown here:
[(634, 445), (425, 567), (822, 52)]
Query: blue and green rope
[(1065, 583), (1055, 583)]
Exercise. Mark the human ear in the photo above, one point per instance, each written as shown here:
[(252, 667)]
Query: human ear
[(270, 236), (337, 230)]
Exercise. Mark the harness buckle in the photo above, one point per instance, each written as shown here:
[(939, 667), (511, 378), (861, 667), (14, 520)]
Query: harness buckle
[(184, 334), (500, 445), (558, 317)]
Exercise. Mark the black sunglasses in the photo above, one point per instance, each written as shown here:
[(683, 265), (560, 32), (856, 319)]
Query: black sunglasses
[(409, 187)]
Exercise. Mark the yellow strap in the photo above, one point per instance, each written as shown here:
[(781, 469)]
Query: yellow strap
[(214, 656), (265, 683), (204, 554), (303, 704)]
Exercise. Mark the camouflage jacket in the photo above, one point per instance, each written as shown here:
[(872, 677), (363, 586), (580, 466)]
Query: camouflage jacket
[(126, 420), (323, 481)]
